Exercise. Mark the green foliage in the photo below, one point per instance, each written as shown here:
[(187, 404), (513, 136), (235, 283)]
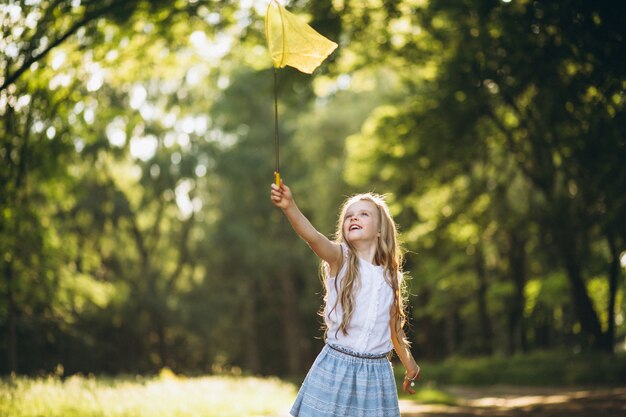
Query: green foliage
[(137, 150), (547, 368), (494, 169)]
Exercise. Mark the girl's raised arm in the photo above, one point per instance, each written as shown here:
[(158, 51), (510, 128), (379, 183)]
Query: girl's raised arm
[(324, 248)]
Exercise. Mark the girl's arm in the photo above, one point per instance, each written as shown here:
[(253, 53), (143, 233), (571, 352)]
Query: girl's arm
[(401, 346), (320, 244)]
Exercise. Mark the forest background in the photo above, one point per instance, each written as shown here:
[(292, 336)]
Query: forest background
[(136, 153)]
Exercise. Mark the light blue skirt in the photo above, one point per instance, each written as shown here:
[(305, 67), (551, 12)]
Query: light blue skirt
[(339, 384)]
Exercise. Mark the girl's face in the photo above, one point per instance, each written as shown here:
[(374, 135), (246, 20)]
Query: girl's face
[(361, 222)]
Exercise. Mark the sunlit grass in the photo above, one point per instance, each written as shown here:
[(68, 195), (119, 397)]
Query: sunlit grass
[(169, 395), (430, 395), (426, 392), (164, 396)]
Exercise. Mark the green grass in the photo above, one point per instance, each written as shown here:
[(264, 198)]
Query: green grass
[(169, 395), (426, 392), (164, 396), (429, 395)]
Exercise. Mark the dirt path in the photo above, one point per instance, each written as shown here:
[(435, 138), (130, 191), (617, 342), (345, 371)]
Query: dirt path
[(517, 402)]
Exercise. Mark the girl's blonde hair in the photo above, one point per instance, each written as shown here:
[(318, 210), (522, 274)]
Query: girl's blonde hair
[(388, 254)]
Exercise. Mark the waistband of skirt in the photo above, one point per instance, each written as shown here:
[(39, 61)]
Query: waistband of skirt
[(354, 354)]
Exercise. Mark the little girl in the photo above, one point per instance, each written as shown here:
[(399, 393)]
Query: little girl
[(364, 312)]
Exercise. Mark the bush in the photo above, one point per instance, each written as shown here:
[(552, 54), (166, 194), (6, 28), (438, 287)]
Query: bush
[(534, 369)]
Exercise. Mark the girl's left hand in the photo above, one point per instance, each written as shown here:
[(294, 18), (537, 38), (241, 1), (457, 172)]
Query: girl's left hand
[(409, 382)]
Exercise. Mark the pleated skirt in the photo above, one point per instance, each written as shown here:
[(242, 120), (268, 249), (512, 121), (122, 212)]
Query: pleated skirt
[(341, 385)]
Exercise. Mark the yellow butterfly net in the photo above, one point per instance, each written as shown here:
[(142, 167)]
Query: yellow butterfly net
[(293, 42)]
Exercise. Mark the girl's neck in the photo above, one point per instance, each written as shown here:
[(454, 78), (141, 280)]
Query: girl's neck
[(364, 251)]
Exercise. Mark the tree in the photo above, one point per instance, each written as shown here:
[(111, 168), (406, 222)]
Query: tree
[(539, 80), (54, 66)]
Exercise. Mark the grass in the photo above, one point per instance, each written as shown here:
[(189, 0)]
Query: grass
[(169, 395), (166, 395), (163, 396), (430, 395)]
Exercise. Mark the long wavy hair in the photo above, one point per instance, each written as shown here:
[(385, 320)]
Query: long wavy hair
[(388, 254)]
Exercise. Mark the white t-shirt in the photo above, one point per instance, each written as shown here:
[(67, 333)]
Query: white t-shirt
[(368, 330)]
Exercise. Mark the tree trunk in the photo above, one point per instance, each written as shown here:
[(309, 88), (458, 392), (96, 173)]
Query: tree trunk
[(427, 333), (159, 325), (517, 266), (452, 335), (290, 323), (586, 314), (481, 298), (251, 352), (11, 313), (569, 228), (18, 204), (613, 279)]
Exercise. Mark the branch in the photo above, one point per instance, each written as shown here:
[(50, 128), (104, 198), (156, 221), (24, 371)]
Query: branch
[(11, 78), (537, 180), (155, 233), (183, 252), (542, 156)]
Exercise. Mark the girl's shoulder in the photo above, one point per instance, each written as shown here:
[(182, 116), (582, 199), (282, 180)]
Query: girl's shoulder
[(342, 265), (344, 250)]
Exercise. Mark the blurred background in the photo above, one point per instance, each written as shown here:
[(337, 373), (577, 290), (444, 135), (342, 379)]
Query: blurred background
[(136, 154)]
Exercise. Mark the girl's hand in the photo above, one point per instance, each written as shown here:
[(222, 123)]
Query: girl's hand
[(409, 381), (281, 196)]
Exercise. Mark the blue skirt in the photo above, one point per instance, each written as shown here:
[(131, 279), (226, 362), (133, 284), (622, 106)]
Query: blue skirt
[(339, 384)]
